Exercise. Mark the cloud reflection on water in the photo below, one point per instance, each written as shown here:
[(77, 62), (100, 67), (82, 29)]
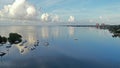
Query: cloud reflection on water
[(32, 34), (62, 50)]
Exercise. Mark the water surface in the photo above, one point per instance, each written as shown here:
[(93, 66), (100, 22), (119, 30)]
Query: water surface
[(61, 47)]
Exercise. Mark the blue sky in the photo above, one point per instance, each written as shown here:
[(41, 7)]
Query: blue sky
[(83, 10)]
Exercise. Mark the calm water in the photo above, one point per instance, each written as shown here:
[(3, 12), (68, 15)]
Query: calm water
[(61, 47)]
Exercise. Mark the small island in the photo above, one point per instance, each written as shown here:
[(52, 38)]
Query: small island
[(115, 29), (14, 38)]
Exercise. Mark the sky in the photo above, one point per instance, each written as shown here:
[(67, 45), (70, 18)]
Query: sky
[(88, 11)]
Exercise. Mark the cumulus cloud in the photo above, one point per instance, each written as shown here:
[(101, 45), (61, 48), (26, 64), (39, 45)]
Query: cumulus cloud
[(71, 19), (19, 9), (45, 17), (55, 18)]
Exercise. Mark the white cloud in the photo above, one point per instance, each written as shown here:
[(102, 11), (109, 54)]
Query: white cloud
[(19, 9), (71, 19), (101, 17), (55, 18), (31, 11), (45, 17)]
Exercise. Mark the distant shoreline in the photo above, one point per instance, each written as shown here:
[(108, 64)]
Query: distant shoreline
[(67, 25)]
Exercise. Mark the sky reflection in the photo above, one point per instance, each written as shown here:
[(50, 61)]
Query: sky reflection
[(56, 47), (32, 34)]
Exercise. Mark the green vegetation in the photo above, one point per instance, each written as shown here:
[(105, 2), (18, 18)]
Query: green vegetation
[(13, 38), (115, 29), (3, 40)]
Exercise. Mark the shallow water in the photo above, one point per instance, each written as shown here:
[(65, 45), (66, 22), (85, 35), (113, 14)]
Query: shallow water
[(61, 47)]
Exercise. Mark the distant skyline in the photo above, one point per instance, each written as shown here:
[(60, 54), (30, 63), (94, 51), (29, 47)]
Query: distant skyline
[(88, 11)]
